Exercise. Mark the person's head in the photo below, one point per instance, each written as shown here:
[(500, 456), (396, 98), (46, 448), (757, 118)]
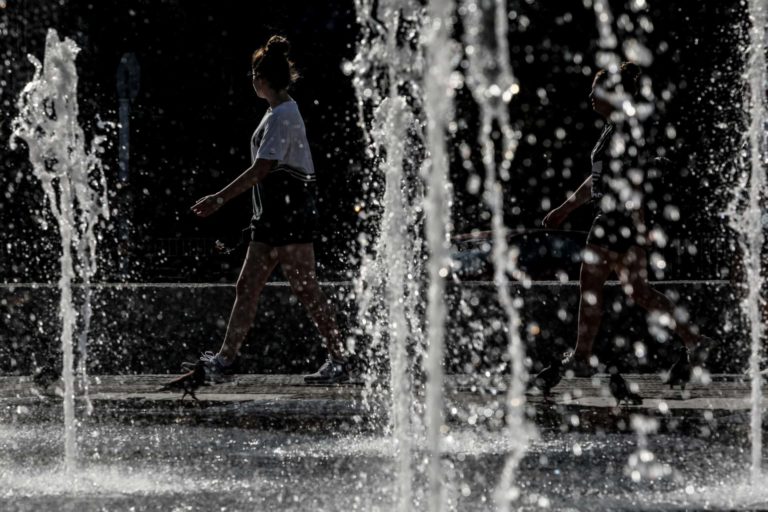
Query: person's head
[(605, 84), (271, 68)]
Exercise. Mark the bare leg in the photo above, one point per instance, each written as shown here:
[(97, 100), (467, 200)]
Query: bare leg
[(595, 270), (298, 263), (260, 261), (633, 273)]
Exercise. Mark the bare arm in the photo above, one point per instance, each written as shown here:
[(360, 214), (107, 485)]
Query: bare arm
[(578, 198), (249, 178)]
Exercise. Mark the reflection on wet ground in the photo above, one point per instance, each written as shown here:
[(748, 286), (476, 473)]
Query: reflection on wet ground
[(197, 467), (311, 450)]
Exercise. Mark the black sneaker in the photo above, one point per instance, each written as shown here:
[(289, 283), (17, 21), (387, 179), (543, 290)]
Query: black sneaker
[(572, 367), (331, 372)]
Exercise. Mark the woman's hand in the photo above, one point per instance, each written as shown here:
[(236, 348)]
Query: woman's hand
[(554, 218), (207, 205)]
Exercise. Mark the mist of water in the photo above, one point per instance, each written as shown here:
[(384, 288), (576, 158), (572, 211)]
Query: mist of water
[(643, 464), (73, 182)]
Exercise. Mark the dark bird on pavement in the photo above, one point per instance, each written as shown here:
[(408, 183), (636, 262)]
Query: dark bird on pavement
[(680, 373), (45, 375), (188, 382), (549, 377), (621, 392)]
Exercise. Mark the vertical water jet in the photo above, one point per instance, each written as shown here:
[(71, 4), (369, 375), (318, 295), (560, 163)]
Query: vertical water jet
[(749, 224), (438, 93), (72, 179), (493, 85)]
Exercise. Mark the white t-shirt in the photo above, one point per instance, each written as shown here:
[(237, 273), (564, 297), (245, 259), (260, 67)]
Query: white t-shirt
[(281, 136)]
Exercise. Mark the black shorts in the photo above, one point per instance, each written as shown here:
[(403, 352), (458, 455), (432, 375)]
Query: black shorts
[(288, 210), (614, 231)]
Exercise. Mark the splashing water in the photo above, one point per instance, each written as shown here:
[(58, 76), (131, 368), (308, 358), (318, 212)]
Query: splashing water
[(642, 464), (493, 85), (386, 72), (418, 95), (438, 111), (396, 118), (75, 189), (745, 214), (390, 52)]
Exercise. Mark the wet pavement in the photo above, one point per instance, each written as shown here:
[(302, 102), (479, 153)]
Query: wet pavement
[(285, 401), (270, 442)]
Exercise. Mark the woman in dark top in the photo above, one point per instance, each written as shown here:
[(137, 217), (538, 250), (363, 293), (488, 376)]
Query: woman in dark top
[(617, 236), (281, 180)]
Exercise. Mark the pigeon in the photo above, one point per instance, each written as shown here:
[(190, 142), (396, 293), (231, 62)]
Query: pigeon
[(188, 382), (680, 373), (621, 392), (549, 377), (45, 375)]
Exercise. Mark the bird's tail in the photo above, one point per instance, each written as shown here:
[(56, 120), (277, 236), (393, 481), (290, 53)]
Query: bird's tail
[(180, 382)]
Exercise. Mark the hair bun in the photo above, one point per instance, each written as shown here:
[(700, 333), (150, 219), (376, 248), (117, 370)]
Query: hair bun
[(631, 69), (278, 44)]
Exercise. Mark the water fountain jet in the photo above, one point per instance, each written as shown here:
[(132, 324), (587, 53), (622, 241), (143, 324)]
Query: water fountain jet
[(72, 179)]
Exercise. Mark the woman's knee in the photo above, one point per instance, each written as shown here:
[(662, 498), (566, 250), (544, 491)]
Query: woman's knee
[(593, 277), (250, 284), (639, 290), (243, 287)]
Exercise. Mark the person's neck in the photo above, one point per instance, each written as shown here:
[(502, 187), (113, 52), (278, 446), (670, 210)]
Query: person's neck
[(607, 115), (277, 97)]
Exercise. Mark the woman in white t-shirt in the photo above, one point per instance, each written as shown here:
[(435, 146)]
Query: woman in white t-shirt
[(281, 179)]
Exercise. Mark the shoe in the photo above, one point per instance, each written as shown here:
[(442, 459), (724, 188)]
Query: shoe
[(573, 367), (215, 371), (331, 372)]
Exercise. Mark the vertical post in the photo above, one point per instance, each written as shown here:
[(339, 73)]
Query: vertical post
[(128, 80)]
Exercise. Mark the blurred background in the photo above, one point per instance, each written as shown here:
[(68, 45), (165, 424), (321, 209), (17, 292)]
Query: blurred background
[(178, 69)]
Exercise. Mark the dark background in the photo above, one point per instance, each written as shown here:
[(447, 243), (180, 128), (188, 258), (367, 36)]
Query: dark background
[(193, 117)]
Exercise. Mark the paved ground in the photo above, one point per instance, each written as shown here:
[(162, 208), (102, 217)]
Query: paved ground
[(284, 401)]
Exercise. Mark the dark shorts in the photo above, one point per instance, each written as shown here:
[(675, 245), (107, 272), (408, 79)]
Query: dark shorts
[(289, 211), (613, 231)]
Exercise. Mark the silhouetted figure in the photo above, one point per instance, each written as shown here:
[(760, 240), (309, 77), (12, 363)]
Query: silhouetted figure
[(282, 183), (618, 236)]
